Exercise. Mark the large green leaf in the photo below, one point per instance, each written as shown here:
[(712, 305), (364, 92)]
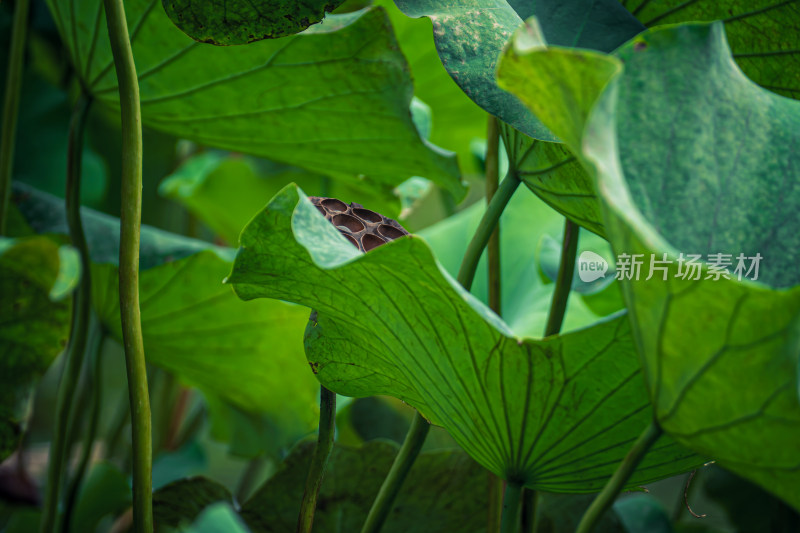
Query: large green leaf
[(676, 175), (445, 491), (244, 21), (250, 355), (194, 326), (595, 24), (457, 120), (555, 414), (764, 35), (283, 99), (36, 275), (469, 36)]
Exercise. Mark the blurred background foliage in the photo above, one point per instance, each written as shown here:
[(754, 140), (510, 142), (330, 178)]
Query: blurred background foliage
[(210, 194)]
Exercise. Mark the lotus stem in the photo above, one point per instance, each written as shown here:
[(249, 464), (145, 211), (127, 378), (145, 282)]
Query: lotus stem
[(606, 498), (8, 129), (511, 507), (409, 451), (95, 385), (327, 430), (566, 268), (130, 222), (485, 229), (81, 307)]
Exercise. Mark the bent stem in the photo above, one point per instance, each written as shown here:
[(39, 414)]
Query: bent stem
[(606, 498), (412, 445), (16, 55), (327, 423), (81, 305), (485, 229), (130, 221)]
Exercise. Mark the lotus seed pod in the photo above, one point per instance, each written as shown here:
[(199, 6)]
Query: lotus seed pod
[(365, 229)]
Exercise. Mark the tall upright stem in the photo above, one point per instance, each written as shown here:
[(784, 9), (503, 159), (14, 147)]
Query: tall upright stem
[(327, 430), (496, 484), (130, 222), (81, 305), (606, 498), (485, 229), (566, 268), (412, 445), (492, 181), (8, 131), (511, 508), (94, 382)]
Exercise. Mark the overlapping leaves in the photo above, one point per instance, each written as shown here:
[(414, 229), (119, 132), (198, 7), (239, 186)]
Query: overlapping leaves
[(664, 138), (249, 355), (282, 99), (556, 414)]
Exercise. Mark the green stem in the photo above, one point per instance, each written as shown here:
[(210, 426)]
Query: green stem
[(566, 268), (530, 499), (511, 507), (327, 429), (492, 181), (81, 305), (485, 229), (496, 484), (249, 478), (606, 498), (120, 420), (16, 56), (95, 385), (130, 222), (409, 451)]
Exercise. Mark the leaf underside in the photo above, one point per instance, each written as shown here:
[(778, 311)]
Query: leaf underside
[(556, 414)]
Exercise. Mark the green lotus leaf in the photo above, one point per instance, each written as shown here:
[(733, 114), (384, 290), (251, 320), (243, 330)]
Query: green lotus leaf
[(551, 172), (36, 276), (601, 25), (280, 99), (469, 36), (242, 22), (555, 414), (763, 35), (249, 355), (446, 487), (456, 120), (181, 502), (691, 157)]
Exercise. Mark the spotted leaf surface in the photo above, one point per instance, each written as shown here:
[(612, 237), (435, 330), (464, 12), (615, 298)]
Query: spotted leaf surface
[(691, 157)]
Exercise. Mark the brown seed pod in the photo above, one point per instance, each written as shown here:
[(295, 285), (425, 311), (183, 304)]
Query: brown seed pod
[(365, 229)]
